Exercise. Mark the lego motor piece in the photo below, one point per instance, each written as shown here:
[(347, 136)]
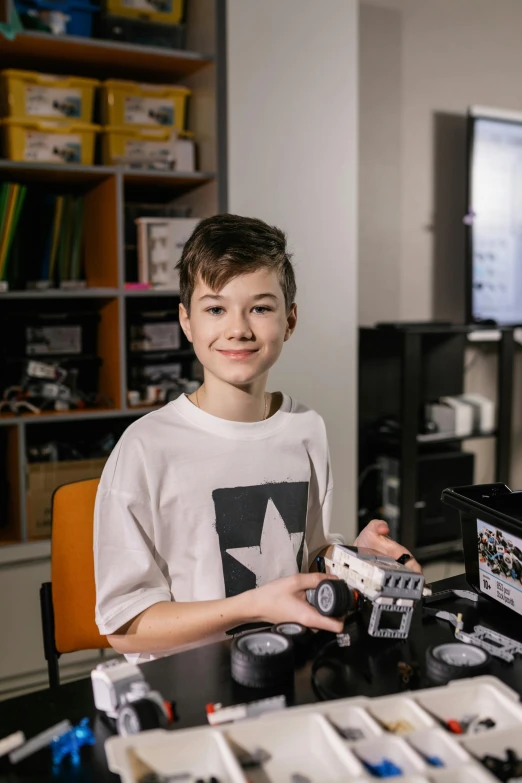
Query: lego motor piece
[(388, 585), (120, 690)]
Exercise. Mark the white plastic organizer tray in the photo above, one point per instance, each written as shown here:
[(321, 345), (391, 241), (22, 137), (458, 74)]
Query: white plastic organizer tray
[(334, 742)]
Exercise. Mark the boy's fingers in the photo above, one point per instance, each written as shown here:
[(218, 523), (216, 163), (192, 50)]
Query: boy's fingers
[(309, 581), (314, 619)]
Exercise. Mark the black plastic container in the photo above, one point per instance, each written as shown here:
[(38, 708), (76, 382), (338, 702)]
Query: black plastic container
[(43, 334), (491, 522), (140, 31)]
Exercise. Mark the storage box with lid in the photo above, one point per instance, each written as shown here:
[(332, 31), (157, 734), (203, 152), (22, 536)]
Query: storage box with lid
[(72, 17), (143, 32), (165, 11), (150, 148), (42, 480), (150, 105), (48, 141), (31, 94)]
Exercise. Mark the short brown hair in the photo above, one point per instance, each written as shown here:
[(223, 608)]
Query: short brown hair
[(225, 246)]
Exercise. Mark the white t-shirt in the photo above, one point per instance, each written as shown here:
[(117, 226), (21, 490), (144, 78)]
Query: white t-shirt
[(192, 507)]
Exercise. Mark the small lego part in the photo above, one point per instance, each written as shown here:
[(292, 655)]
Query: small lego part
[(12, 741), (71, 742), (40, 741), (398, 726), (383, 769), (506, 769), (217, 714), (349, 733), (121, 691)]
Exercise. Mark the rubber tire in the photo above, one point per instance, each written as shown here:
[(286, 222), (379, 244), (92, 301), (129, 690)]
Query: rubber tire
[(302, 637), (262, 671), (337, 590), (441, 672), (146, 713)]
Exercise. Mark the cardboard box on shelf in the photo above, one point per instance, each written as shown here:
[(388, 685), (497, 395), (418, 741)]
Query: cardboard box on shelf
[(43, 478)]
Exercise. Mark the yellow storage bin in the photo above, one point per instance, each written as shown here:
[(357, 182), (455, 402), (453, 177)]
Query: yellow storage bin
[(166, 11), (31, 94), (139, 147), (48, 141), (150, 105)]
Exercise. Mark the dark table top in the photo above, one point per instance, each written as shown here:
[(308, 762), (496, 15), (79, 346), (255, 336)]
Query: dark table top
[(194, 678)]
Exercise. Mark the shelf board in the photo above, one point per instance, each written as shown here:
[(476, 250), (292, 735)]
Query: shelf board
[(56, 293), (9, 419), (181, 181), (24, 171), (176, 353), (99, 58), (151, 292), (68, 173), (441, 437)]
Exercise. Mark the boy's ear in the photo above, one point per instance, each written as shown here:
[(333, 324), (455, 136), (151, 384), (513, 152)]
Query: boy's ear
[(184, 322), (291, 322)]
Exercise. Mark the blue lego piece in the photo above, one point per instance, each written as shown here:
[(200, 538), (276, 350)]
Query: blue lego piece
[(384, 769), (434, 761), (71, 742)]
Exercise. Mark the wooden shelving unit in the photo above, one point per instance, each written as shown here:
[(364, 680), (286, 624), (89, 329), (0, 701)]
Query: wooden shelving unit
[(107, 190), (94, 57)]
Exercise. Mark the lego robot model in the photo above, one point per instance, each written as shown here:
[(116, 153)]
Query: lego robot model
[(368, 580), (121, 691)]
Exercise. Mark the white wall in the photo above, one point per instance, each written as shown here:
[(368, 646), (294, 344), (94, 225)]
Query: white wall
[(292, 140), (421, 65)]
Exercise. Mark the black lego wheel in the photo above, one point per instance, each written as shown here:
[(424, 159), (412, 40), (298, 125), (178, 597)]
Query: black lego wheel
[(262, 659), (333, 598), (299, 634), (140, 715), (455, 661)]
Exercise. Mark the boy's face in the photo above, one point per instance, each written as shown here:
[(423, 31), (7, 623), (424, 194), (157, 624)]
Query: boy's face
[(239, 331)]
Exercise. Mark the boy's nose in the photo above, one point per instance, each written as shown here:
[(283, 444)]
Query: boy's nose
[(239, 327)]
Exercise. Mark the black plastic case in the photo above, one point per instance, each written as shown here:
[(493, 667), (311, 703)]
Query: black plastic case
[(491, 522)]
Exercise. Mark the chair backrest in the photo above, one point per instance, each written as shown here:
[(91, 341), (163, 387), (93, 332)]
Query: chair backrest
[(72, 568)]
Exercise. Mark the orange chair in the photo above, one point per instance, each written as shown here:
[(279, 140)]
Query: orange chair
[(68, 601)]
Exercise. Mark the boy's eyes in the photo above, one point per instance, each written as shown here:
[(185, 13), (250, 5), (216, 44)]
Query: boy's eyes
[(258, 309)]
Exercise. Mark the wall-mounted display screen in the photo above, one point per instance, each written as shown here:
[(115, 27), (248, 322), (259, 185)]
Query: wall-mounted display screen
[(494, 216)]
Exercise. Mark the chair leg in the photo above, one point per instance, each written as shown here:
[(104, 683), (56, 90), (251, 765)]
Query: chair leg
[(54, 672), (50, 651)]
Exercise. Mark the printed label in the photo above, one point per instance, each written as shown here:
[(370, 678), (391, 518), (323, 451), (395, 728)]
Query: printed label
[(152, 6), (52, 147), (148, 111), (500, 565), (149, 153), (53, 102), (155, 337), (53, 340)]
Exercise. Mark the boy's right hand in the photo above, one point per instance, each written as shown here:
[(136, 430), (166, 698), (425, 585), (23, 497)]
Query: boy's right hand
[(284, 600)]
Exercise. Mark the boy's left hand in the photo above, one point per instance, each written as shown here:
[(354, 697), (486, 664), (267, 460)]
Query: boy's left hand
[(375, 536)]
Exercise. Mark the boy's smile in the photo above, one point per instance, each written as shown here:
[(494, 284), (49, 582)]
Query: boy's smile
[(238, 332)]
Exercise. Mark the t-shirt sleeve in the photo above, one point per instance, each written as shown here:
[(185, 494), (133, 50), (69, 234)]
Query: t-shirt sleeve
[(128, 578)]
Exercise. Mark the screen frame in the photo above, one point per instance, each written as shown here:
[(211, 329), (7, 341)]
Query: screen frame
[(475, 113)]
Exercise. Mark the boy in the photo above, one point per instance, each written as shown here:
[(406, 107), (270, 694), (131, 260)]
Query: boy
[(209, 508)]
